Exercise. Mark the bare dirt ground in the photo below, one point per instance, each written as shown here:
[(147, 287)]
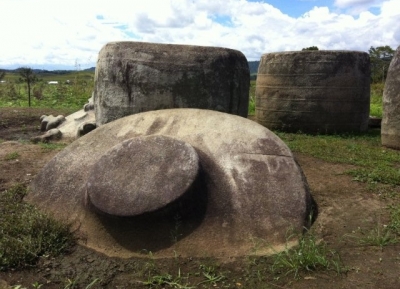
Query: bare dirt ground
[(345, 206)]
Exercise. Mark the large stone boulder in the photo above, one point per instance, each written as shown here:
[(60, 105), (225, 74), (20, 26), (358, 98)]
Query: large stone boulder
[(133, 77), (390, 131), (187, 181), (322, 91)]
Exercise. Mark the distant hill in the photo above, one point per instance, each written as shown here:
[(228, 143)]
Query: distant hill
[(90, 69), (253, 65), (44, 71)]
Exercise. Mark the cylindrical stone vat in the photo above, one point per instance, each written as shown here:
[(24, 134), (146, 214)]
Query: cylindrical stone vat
[(390, 130), (133, 77), (314, 91)]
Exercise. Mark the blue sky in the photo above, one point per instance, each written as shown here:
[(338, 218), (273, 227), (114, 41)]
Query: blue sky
[(68, 34), (296, 8)]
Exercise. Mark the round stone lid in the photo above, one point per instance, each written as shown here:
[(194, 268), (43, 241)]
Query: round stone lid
[(141, 175)]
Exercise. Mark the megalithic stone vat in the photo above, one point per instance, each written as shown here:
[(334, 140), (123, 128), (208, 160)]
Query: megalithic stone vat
[(390, 131)]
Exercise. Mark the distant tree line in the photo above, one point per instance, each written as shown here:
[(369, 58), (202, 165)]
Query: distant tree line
[(380, 60), (310, 48), (253, 66)]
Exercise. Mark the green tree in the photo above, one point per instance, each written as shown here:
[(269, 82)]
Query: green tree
[(2, 74), (380, 59), (310, 48), (29, 77)]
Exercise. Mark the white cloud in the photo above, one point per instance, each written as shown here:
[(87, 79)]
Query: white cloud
[(347, 3), (357, 6), (38, 32)]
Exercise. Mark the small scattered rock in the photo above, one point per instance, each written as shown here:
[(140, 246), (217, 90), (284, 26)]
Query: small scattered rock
[(374, 122), (52, 134), (4, 284), (49, 122), (85, 128), (90, 105)]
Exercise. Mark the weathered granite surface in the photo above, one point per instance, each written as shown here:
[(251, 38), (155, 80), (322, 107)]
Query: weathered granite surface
[(133, 77), (390, 127), (248, 188)]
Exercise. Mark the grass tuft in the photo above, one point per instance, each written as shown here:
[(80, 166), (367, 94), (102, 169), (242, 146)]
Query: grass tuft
[(162, 280), (252, 98), (380, 236), (394, 224), (210, 275), (309, 255), (376, 100), (12, 156), (26, 233), (52, 146)]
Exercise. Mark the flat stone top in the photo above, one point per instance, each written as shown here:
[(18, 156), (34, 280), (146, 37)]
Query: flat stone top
[(141, 175), (135, 46), (173, 54), (318, 52)]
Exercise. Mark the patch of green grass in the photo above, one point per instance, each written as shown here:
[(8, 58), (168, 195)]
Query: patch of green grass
[(37, 285), (376, 110), (376, 100), (12, 156), (26, 233), (380, 236), (375, 164), (210, 275), (252, 98), (52, 146), (207, 277), (73, 284), (380, 174), (309, 255), (394, 224), (73, 96), (162, 280)]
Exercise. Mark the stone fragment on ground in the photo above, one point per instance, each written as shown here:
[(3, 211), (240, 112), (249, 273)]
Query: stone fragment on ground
[(374, 122), (73, 126), (49, 122), (4, 284), (50, 135), (77, 124)]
